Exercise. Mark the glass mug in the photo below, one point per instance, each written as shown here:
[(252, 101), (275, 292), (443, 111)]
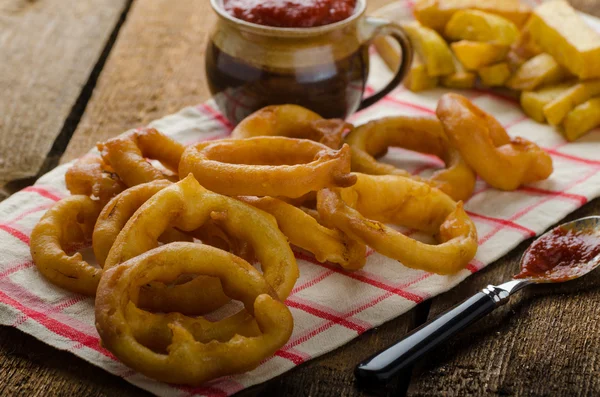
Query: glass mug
[(324, 68)]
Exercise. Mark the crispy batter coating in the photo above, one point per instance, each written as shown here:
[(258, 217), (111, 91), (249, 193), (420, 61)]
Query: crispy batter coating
[(504, 162), (65, 226), (304, 231), (187, 206), (421, 134), (187, 360), (267, 166), (188, 295), (127, 155), (292, 121), (361, 210), (91, 176)]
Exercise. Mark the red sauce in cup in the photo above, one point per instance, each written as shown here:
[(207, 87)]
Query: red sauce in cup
[(560, 255), (291, 13)]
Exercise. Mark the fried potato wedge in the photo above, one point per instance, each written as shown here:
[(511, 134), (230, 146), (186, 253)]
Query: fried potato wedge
[(388, 52), (582, 119), (539, 70), (461, 78), (474, 54), (514, 60), (481, 26), (418, 79), (494, 75), (435, 14), (556, 110), (525, 46), (533, 102), (562, 33), (432, 49)]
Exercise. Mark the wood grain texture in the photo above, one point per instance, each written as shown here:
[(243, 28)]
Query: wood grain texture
[(48, 49), (156, 68)]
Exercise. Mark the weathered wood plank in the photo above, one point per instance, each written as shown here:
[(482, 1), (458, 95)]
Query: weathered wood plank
[(155, 68), (49, 49)]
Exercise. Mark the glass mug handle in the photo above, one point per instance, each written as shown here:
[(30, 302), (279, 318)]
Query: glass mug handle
[(395, 31)]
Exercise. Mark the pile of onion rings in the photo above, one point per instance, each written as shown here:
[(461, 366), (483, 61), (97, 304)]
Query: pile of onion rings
[(174, 239)]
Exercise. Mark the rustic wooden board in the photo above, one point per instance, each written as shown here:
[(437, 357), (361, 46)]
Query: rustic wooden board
[(156, 68), (48, 50)]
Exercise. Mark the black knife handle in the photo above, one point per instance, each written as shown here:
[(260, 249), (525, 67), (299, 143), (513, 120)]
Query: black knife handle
[(386, 364)]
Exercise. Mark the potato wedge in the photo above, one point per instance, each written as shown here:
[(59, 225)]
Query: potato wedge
[(556, 110), (431, 48), (388, 52), (525, 46), (533, 102), (514, 60), (435, 14), (494, 75), (582, 119), (539, 70), (418, 79), (562, 33), (461, 78), (474, 54), (481, 26)]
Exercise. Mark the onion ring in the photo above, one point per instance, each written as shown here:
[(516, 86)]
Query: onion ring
[(90, 176), (68, 224), (267, 166), (503, 162), (117, 212), (404, 201), (197, 295), (127, 155), (187, 206), (327, 245), (421, 134), (188, 361), (292, 121)]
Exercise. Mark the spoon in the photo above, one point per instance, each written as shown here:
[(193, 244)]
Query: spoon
[(565, 253)]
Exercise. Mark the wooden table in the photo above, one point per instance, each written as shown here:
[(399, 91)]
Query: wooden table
[(89, 70)]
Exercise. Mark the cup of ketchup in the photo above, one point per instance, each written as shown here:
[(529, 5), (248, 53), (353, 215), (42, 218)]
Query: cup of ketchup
[(313, 53)]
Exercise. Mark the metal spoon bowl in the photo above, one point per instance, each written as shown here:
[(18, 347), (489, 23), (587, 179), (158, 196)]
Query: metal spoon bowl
[(386, 364)]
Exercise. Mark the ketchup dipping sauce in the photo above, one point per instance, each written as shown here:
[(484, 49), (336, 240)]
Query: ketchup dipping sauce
[(560, 255), (291, 13)]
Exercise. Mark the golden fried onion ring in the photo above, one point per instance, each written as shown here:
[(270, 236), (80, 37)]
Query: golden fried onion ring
[(67, 225), (267, 166), (189, 295), (187, 205), (327, 245), (503, 162), (403, 201), (292, 121), (127, 155), (117, 212), (420, 134), (188, 361), (91, 176)]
